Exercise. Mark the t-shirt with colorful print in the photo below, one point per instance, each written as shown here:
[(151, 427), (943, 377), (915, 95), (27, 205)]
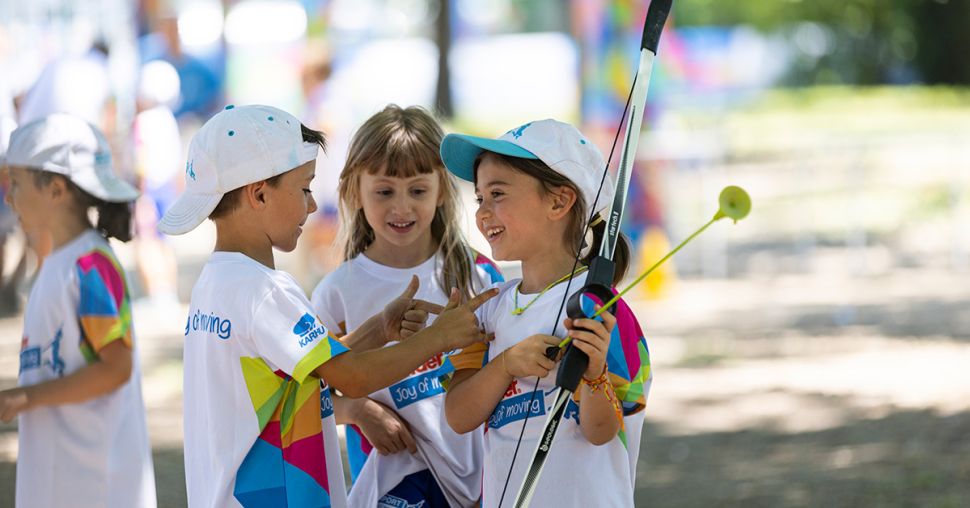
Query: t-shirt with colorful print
[(259, 426), (93, 453), (346, 298), (576, 472)]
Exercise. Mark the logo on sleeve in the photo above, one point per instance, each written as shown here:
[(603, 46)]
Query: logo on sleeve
[(308, 330)]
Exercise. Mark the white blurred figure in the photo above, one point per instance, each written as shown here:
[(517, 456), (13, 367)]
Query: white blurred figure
[(75, 84), (158, 158)]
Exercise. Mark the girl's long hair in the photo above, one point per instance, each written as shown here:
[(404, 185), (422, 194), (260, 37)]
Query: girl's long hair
[(404, 142), (114, 219), (575, 238)]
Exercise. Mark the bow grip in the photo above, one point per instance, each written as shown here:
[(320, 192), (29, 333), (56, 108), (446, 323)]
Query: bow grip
[(580, 305)]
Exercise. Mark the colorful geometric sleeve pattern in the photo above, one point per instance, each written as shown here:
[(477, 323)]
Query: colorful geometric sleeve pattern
[(628, 363), (324, 351), (286, 466), (489, 267), (104, 309)]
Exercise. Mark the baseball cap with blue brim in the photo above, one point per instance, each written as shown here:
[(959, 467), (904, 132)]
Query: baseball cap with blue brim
[(559, 145), (236, 147)]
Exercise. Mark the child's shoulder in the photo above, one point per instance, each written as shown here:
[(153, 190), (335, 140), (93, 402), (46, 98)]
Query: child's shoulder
[(505, 289), (92, 251), (340, 277), (486, 265), (233, 271)]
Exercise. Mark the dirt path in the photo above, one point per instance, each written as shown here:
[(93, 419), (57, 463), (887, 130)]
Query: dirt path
[(794, 391)]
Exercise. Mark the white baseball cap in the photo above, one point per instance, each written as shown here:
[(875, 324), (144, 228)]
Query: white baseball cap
[(559, 145), (70, 146), (236, 147)]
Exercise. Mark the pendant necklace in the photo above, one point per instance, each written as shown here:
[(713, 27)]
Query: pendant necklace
[(517, 311)]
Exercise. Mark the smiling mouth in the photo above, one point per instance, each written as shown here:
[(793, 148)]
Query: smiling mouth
[(402, 227), (492, 233)]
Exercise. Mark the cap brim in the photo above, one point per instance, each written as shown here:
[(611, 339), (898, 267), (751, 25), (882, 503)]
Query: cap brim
[(459, 151), (106, 187), (188, 212)]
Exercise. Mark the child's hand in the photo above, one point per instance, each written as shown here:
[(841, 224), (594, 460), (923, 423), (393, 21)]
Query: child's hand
[(12, 403), (457, 324), (385, 430), (593, 338), (405, 315), (528, 358)]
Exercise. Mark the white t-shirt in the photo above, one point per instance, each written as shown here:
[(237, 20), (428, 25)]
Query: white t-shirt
[(359, 289), (576, 472), (254, 435), (93, 453)]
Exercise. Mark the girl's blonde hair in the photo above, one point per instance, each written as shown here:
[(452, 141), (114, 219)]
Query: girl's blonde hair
[(404, 142)]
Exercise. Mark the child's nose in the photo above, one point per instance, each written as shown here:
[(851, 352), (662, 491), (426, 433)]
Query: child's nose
[(401, 203), (483, 211), (311, 203)]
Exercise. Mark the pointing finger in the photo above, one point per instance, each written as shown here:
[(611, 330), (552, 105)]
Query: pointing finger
[(433, 308), (481, 298)]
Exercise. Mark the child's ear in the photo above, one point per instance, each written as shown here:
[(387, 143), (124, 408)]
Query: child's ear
[(57, 188), (562, 200), (255, 194)]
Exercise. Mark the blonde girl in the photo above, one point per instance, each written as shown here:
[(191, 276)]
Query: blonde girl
[(400, 216)]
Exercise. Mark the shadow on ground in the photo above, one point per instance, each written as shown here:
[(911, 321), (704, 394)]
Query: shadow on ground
[(907, 458)]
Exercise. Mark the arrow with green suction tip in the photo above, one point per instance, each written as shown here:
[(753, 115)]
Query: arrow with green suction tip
[(734, 203)]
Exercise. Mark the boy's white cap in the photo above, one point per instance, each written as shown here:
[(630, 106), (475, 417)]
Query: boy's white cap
[(236, 147), (68, 145), (560, 145)]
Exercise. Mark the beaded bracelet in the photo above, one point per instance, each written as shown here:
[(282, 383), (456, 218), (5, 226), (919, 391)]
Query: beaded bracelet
[(603, 381)]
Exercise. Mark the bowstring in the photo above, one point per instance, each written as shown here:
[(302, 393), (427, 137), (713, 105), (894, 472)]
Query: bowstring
[(565, 297)]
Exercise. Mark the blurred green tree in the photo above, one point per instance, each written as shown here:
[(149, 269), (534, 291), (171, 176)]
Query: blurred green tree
[(854, 41)]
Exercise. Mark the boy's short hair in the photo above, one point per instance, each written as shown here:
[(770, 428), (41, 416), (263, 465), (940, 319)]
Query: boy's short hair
[(237, 147)]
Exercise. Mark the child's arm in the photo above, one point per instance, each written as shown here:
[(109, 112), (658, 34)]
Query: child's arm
[(382, 427), (86, 383), (357, 374), (473, 394), (600, 415)]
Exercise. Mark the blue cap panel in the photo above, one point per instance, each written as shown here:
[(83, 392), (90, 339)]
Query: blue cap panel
[(458, 152)]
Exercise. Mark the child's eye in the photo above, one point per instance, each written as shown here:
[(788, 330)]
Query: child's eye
[(418, 191), (497, 194), (384, 192), (478, 199), (307, 191)]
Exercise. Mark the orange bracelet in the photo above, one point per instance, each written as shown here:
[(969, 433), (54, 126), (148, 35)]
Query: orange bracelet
[(603, 381)]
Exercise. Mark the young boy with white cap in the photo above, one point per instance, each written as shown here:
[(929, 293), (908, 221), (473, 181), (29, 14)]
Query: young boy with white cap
[(82, 431), (259, 426)]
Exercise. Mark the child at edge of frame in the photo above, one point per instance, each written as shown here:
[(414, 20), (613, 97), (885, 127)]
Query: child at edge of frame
[(82, 434)]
